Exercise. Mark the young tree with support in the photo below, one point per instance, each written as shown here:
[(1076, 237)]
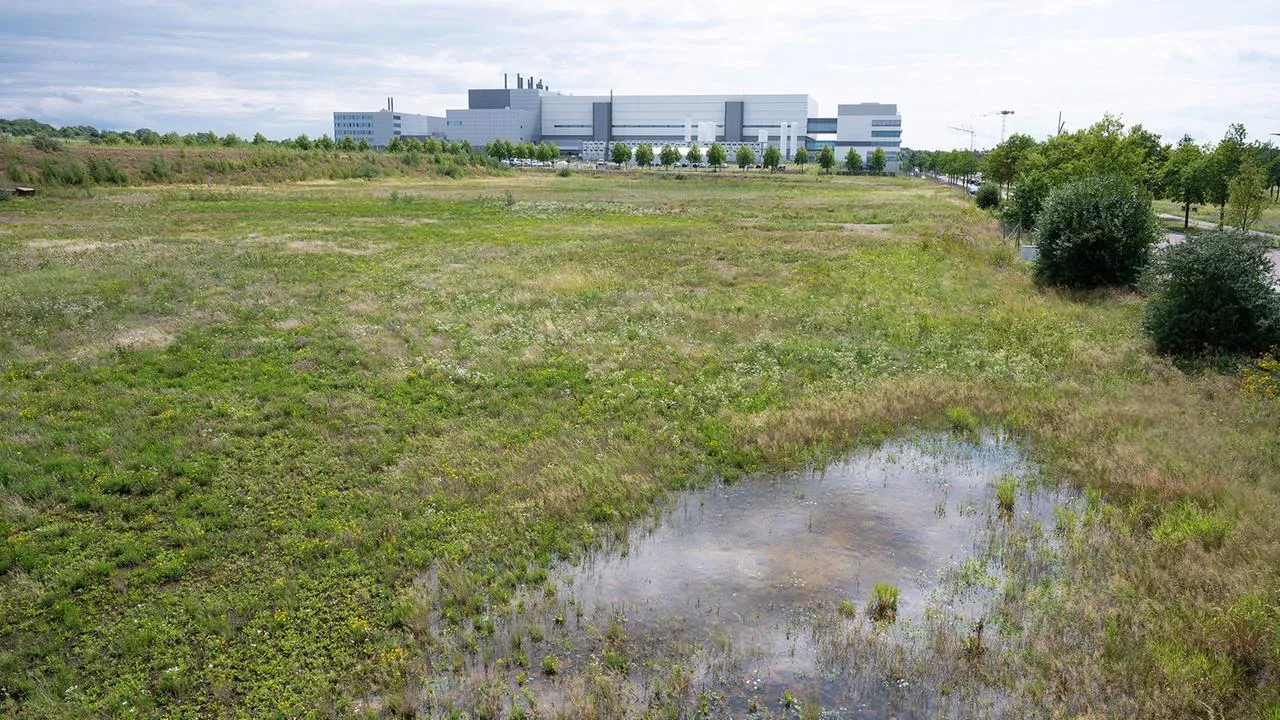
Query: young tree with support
[(827, 158), (669, 156), (852, 161), (772, 158), (878, 161), (716, 156), (644, 155), (745, 157), (620, 153)]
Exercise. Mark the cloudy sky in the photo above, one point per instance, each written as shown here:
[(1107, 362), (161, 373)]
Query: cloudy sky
[(282, 67)]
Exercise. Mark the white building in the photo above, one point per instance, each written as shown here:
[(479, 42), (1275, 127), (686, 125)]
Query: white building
[(588, 124), (379, 127), (867, 126)]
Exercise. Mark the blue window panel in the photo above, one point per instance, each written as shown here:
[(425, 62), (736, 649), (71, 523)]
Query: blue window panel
[(886, 133)]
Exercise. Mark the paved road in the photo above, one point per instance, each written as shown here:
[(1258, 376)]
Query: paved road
[(1174, 237), (1206, 225)]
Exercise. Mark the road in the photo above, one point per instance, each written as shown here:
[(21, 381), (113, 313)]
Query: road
[(1174, 237)]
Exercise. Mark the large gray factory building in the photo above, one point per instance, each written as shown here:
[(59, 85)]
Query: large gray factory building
[(586, 124)]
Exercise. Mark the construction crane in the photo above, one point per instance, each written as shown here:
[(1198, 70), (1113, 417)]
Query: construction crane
[(963, 129), (1004, 116)]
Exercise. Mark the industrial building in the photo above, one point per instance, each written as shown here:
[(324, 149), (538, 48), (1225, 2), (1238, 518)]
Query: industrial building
[(587, 125), (380, 126)]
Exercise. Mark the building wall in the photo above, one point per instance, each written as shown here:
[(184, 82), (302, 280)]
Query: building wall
[(379, 127), (480, 127), (569, 119), (867, 126)]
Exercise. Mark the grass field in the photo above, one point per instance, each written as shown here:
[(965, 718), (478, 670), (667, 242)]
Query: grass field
[(1269, 222), (238, 426)]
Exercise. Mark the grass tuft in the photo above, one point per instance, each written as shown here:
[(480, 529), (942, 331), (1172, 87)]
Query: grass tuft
[(884, 602)]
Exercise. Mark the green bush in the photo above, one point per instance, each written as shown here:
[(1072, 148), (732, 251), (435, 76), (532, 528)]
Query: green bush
[(46, 143), (105, 171), (56, 174), (987, 197), (1212, 293), (1095, 232), (158, 169)]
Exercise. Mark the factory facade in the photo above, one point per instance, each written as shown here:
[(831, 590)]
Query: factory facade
[(587, 125), (380, 126)]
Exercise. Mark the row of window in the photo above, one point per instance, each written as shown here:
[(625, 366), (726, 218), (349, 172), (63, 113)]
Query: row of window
[(896, 122), (353, 133), (352, 124), (352, 116), (886, 133)]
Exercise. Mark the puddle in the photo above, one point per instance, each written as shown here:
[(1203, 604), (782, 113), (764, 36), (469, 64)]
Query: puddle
[(740, 598)]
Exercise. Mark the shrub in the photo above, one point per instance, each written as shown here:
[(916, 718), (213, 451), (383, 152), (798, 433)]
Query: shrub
[(158, 169), (564, 172), (105, 171), (1212, 293), (987, 197), (72, 173), (46, 143), (1095, 232), (14, 169)]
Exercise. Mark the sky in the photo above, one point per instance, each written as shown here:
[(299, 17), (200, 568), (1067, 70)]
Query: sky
[(283, 67)]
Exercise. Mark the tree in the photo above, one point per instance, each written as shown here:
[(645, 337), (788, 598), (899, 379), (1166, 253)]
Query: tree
[(878, 161), (1095, 232), (852, 161), (802, 156), (1025, 202), (1212, 292), (694, 156), (258, 139), (553, 151), (669, 156), (745, 157), (324, 143), (543, 153), (302, 142), (1006, 161), (231, 140), (716, 156), (772, 158), (363, 145), (1184, 177), (827, 158), (1247, 195), (620, 153), (644, 154), (1221, 167), (348, 144)]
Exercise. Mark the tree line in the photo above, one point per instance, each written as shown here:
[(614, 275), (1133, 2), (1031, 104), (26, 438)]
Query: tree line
[(1234, 174)]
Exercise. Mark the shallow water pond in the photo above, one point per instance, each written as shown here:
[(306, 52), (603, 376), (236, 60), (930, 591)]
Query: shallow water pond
[(754, 598)]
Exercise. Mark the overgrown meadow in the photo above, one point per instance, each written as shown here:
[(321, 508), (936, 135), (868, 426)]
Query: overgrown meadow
[(239, 427)]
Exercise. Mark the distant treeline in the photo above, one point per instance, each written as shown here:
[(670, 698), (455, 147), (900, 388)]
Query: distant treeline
[(1186, 172)]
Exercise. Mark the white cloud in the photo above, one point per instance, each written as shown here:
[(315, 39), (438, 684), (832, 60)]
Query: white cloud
[(282, 66)]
